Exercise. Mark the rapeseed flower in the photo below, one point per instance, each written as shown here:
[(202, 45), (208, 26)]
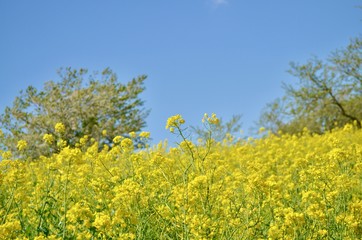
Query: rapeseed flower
[(6, 155), (10, 229), (174, 122), (102, 222), (59, 128), (127, 144), (117, 139), (48, 138), (211, 120), (145, 134), (62, 143), (133, 134), (22, 145), (322, 232), (261, 130), (83, 141)]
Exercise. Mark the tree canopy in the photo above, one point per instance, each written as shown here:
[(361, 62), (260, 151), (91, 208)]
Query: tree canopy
[(328, 94), (100, 108)]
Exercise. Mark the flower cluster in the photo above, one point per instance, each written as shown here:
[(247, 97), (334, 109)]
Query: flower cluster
[(117, 139), (48, 138), (133, 135), (59, 128), (145, 134), (174, 122), (211, 120), (127, 144), (22, 145)]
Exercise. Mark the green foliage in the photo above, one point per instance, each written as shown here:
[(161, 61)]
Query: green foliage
[(85, 108), (328, 94)]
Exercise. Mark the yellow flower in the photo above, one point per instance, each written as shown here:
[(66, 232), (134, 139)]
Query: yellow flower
[(117, 139), (80, 212), (214, 120), (40, 237), (127, 144), (275, 232), (59, 128), (10, 229), (102, 222), (262, 129), (145, 134), (48, 138), (204, 119), (211, 120), (83, 140), (132, 134), (6, 155), (174, 121), (322, 232), (104, 133), (62, 143), (22, 144)]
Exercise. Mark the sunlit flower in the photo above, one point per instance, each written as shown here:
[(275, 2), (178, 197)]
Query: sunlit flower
[(22, 144), (48, 138), (59, 128), (174, 122), (6, 155), (133, 134), (117, 139), (262, 129), (145, 134), (211, 120), (62, 143), (102, 222), (84, 140), (127, 144), (322, 232)]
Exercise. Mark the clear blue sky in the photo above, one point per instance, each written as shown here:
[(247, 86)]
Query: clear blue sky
[(222, 56)]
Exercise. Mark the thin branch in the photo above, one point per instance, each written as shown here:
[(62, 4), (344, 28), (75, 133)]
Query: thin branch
[(334, 100)]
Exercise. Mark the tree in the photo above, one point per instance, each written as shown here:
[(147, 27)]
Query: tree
[(100, 108), (328, 94)]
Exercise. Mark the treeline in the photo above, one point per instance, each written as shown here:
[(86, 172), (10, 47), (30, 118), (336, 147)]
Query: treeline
[(327, 94)]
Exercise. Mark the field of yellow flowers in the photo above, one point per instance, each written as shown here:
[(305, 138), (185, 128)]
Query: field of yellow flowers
[(274, 187)]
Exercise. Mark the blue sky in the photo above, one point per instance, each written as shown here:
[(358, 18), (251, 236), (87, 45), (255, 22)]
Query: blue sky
[(223, 56)]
